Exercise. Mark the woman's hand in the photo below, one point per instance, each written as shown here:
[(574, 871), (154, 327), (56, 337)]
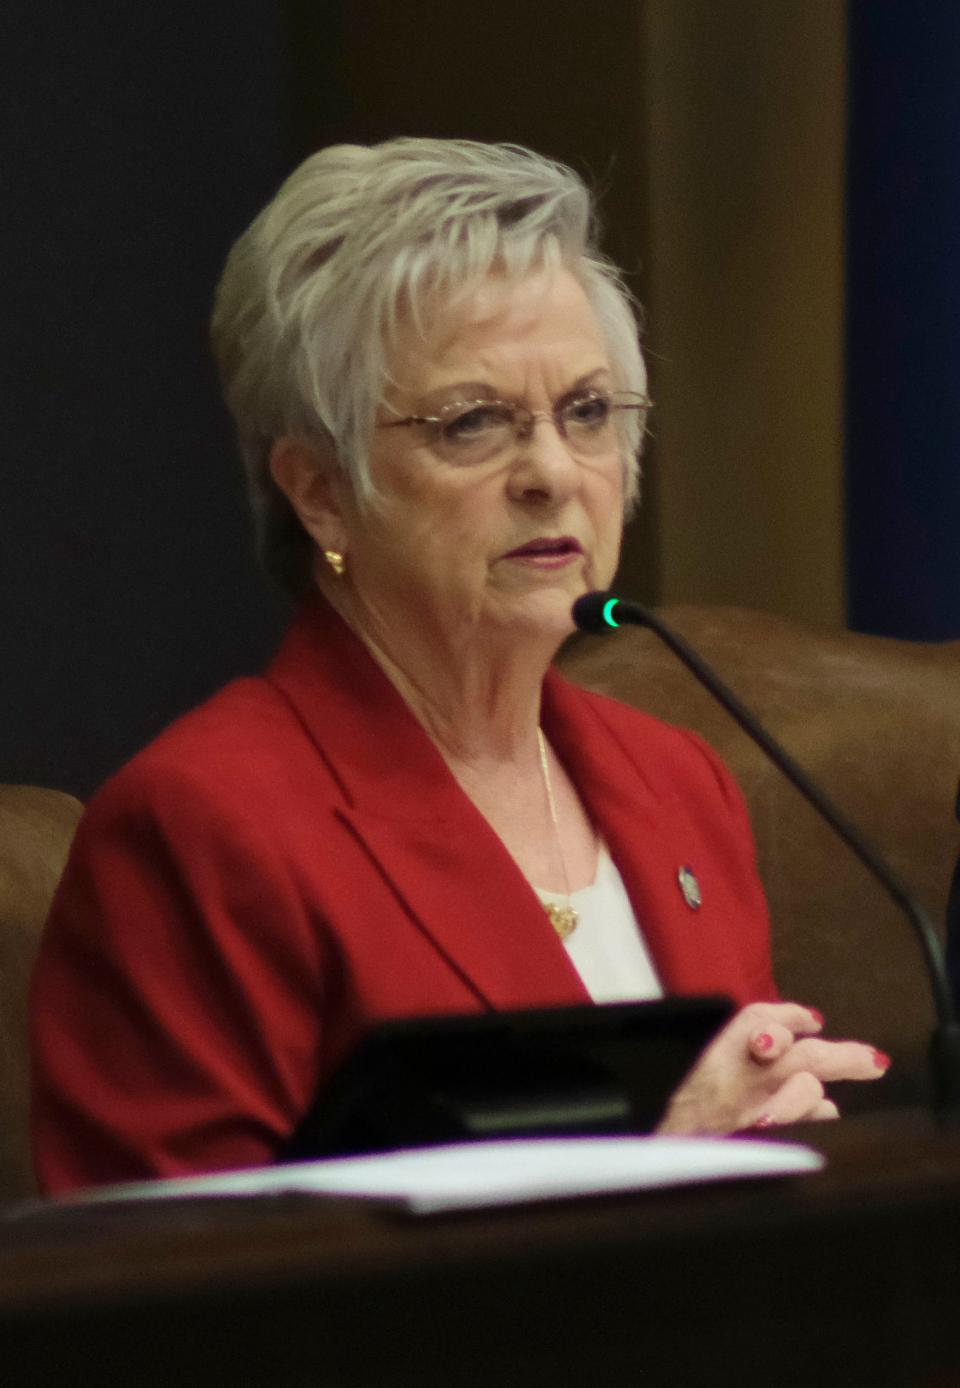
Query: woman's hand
[(768, 1066)]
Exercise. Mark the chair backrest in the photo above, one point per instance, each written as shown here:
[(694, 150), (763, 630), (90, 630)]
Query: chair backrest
[(36, 827), (877, 723)]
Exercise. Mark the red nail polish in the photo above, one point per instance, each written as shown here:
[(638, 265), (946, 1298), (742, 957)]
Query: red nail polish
[(881, 1060), (763, 1041), (816, 1014), (765, 1121)]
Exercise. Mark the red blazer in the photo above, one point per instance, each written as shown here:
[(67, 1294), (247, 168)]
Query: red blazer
[(293, 861)]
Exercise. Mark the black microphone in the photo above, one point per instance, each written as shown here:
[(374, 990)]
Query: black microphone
[(603, 612)]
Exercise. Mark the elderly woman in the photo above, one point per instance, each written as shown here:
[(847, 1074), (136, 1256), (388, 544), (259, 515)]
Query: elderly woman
[(440, 397)]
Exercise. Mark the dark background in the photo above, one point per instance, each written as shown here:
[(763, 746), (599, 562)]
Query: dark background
[(137, 140), (903, 319)]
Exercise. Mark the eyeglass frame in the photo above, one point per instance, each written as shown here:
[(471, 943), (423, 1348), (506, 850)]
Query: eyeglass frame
[(524, 418)]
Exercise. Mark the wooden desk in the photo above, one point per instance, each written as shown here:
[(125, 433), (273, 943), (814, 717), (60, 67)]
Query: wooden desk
[(851, 1276)]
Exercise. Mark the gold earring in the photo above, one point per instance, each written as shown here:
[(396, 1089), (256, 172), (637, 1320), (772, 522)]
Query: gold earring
[(335, 559)]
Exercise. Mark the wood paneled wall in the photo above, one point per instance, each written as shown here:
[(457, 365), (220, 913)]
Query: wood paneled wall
[(743, 121)]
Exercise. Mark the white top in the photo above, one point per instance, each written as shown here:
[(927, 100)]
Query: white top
[(607, 949)]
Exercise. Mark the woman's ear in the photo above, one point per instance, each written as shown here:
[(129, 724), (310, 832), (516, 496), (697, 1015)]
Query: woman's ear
[(309, 480)]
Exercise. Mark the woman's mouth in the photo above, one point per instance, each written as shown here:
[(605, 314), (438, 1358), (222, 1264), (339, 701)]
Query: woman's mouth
[(547, 552)]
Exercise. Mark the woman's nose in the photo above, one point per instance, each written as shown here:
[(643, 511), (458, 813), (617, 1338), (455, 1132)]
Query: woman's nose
[(544, 462)]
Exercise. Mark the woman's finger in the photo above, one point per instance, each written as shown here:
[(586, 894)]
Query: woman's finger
[(799, 1097), (823, 1112), (835, 1060), (759, 1016), (770, 1043)]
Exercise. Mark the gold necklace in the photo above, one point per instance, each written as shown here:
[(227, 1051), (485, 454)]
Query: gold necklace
[(566, 918)]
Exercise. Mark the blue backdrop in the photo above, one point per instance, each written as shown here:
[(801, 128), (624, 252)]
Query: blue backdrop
[(903, 319)]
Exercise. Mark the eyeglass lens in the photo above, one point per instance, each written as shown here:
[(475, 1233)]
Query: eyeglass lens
[(481, 429)]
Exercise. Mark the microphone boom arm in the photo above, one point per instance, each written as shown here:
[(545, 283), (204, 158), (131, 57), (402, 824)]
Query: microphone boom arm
[(598, 612)]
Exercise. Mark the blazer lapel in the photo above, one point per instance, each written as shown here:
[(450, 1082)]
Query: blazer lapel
[(465, 892), (649, 832), (458, 882)]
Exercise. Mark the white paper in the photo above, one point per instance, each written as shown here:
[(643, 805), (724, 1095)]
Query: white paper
[(468, 1176)]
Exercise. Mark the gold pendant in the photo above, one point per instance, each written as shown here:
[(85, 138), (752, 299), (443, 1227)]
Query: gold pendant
[(564, 919)]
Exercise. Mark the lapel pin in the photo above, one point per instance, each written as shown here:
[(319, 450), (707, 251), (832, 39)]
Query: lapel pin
[(690, 887)]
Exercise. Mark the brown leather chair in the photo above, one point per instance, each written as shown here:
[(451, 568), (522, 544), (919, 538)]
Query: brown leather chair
[(36, 827), (877, 723)]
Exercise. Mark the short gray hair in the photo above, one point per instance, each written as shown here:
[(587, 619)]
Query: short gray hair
[(312, 291)]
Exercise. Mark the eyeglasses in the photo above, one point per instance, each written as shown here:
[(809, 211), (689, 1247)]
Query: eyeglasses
[(474, 431)]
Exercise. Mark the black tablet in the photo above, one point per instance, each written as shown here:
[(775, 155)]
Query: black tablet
[(604, 1068)]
